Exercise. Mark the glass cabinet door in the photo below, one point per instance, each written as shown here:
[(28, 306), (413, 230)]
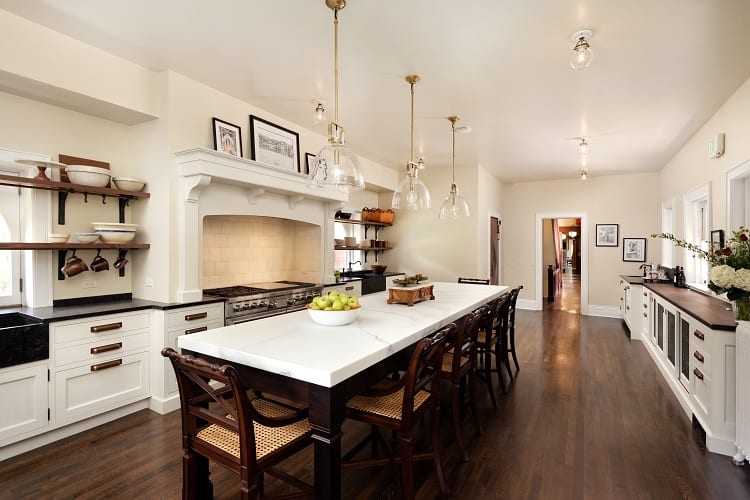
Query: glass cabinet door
[(671, 338), (684, 353)]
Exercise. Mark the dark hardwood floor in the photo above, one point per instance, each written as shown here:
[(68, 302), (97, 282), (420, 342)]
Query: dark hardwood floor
[(588, 416)]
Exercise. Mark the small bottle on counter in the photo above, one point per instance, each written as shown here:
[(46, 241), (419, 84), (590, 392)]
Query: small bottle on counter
[(676, 280)]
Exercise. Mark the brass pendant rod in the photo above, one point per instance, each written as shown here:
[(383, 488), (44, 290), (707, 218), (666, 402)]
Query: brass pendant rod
[(336, 64), (411, 142), (453, 120)]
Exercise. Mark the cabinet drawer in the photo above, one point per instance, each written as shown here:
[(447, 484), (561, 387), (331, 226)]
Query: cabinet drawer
[(95, 388), (102, 349), (98, 328), (701, 391), (700, 360), (352, 288), (197, 316)]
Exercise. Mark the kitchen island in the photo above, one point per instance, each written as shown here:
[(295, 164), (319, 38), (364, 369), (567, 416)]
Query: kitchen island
[(323, 366)]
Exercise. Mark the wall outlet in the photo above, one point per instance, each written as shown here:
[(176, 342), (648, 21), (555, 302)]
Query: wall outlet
[(149, 282), (89, 284)]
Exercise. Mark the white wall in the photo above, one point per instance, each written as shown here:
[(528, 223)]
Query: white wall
[(489, 204), (628, 200)]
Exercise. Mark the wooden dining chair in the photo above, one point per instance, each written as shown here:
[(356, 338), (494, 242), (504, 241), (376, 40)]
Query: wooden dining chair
[(397, 405), (475, 281), (490, 344), (511, 327), (459, 364), (220, 422)]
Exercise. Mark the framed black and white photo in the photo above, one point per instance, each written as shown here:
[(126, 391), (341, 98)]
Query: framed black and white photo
[(634, 249), (274, 145), (606, 235), (309, 162), (227, 138), (717, 239)]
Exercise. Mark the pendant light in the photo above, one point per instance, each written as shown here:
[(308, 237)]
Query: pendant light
[(455, 205), (336, 165), (582, 54), (411, 192)]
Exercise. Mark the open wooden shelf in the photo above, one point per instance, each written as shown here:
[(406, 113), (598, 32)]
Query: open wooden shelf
[(361, 223), (72, 246), (364, 249), (12, 180)]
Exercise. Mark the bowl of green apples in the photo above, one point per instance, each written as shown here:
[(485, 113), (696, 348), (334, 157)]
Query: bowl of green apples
[(334, 309)]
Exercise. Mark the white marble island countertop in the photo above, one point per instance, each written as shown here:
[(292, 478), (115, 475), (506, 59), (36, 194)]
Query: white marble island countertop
[(294, 346)]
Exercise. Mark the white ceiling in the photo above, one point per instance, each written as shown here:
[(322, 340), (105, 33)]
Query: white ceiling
[(661, 69)]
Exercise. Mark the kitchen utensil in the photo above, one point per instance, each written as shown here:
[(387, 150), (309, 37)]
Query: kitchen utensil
[(57, 238), (99, 263), (74, 265), (120, 262), (88, 176), (333, 318), (128, 183)]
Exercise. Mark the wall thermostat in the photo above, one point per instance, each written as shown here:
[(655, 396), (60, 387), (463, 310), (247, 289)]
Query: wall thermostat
[(716, 146)]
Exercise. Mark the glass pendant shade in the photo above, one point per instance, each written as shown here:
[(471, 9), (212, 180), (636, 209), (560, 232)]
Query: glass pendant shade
[(454, 206), (582, 55), (411, 194), (338, 167)]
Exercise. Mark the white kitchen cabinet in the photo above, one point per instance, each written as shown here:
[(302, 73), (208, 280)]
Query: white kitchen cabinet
[(99, 363), (631, 297), (168, 326), (351, 288), (24, 393)]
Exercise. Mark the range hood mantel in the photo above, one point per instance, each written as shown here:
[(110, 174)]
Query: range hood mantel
[(257, 177)]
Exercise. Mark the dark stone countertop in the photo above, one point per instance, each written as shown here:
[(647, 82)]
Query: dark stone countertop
[(712, 312)]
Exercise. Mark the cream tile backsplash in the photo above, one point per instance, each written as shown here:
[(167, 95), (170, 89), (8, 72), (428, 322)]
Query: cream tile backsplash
[(241, 249)]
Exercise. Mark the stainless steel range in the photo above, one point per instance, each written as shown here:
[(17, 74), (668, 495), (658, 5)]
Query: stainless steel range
[(261, 300)]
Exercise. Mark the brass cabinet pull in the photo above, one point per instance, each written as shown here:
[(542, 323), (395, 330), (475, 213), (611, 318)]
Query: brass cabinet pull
[(196, 330), (699, 356), (104, 366), (645, 294), (627, 307), (645, 315), (645, 306), (106, 348), (349, 287), (193, 317), (700, 335), (698, 373), (106, 328)]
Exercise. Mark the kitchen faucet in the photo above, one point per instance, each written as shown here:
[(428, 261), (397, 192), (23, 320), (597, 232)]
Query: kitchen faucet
[(355, 262)]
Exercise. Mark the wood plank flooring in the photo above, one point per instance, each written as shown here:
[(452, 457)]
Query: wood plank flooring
[(588, 416)]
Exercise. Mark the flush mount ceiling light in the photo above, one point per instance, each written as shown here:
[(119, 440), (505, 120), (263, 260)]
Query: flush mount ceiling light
[(572, 234), (582, 54), (583, 146), (336, 165), (320, 110), (411, 192), (455, 205), (584, 174)]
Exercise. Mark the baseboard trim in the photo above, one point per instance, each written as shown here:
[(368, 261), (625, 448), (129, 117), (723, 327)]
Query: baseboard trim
[(604, 311), (162, 406), (527, 304)]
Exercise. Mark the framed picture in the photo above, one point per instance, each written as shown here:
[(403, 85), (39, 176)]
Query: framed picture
[(227, 138), (717, 239), (273, 145), (309, 160), (634, 249), (606, 235)]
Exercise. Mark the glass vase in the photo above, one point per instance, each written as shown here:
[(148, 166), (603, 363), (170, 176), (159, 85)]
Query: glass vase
[(742, 309)]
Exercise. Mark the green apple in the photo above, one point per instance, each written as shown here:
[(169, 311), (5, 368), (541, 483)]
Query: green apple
[(343, 297), (324, 302), (353, 302), (329, 308), (315, 306), (337, 305)]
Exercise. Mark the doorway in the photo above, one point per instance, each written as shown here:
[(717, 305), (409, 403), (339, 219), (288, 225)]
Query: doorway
[(494, 250), (562, 262)]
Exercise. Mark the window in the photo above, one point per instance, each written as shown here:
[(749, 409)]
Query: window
[(738, 196), (697, 229), (10, 260), (667, 226)]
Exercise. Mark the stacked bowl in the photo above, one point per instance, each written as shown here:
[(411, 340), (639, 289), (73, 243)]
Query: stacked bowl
[(113, 232), (88, 176)]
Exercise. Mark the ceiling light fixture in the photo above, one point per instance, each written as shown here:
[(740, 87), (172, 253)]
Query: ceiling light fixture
[(411, 193), (336, 165), (455, 205), (320, 110), (584, 174), (583, 146), (582, 54), (572, 234)]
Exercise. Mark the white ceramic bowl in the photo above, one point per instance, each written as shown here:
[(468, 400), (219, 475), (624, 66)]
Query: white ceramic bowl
[(115, 236), (88, 176), (114, 226), (128, 183), (57, 238), (333, 318), (86, 237), (350, 241)]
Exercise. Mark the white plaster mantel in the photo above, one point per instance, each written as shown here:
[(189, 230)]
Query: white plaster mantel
[(256, 189)]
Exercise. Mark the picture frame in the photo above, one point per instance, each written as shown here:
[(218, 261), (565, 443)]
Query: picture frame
[(634, 249), (309, 159), (227, 137), (717, 239), (607, 235), (274, 145)]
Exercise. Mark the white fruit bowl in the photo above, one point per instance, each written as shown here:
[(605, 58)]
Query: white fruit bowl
[(333, 318), (88, 176), (113, 226), (57, 238), (116, 236), (128, 183), (86, 237)]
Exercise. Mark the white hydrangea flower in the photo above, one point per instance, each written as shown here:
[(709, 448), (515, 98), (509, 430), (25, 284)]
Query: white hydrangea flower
[(742, 279), (722, 276)]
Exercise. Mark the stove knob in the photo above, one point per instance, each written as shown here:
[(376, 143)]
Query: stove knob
[(271, 304), (290, 301), (245, 306), (236, 307), (262, 303)]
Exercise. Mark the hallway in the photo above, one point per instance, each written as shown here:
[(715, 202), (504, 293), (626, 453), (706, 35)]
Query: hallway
[(569, 298)]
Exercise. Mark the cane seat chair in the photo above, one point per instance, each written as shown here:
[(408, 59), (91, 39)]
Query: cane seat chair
[(247, 436), (490, 344), (511, 327), (397, 405), (475, 281), (459, 364)]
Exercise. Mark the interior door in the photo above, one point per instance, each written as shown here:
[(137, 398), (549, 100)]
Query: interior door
[(494, 250)]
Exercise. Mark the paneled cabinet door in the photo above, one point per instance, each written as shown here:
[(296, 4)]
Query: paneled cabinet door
[(24, 396)]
